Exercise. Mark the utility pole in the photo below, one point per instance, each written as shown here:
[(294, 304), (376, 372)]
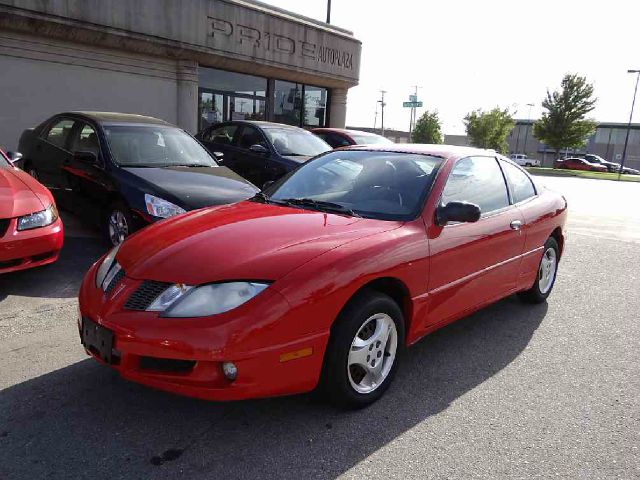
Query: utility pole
[(526, 132), (633, 104), (375, 118), (382, 105), (328, 11)]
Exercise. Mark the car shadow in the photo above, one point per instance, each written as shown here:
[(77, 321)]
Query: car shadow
[(84, 421), (61, 279)]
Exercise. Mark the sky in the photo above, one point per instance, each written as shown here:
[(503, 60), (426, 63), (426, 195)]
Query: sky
[(470, 54)]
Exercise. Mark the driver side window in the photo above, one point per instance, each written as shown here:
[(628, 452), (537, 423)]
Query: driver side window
[(250, 136), (477, 180)]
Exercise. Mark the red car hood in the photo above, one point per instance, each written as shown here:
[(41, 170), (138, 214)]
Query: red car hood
[(247, 240), (20, 194)]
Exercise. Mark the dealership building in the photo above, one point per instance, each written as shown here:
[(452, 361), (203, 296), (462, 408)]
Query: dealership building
[(189, 62)]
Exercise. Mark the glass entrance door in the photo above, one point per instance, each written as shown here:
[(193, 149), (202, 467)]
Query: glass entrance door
[(215, 106)]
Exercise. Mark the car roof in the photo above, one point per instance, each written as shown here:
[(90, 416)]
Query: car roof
[(346, 131), (115, 117), (444, 151), (259, 123)]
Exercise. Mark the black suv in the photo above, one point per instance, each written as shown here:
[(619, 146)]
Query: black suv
[(262, 151), (124, 171)]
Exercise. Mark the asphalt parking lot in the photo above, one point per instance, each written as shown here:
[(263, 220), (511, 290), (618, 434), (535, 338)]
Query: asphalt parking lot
[(514, 391)]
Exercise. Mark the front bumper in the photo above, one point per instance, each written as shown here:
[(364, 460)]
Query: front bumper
[(273, 352), (20, 250)]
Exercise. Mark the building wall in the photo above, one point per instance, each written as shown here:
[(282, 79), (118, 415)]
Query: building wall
[(43, 77), (143, 56), (608, 142)]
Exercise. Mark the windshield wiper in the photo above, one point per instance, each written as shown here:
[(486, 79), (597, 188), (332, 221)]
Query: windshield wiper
[(321, 205)]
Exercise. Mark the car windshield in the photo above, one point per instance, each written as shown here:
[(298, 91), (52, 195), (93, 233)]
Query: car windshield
[(296, 142), (370, 139), (382, 185), (155, 146)]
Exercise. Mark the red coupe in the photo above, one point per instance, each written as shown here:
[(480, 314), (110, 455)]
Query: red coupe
[(31, 233), (322, 279), (579, 164)]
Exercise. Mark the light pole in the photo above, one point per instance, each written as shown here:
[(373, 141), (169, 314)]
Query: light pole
[(633, 104), (382, 105), (526, 132), (328, 11)]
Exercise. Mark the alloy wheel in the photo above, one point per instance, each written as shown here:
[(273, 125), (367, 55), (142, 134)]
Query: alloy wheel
[(547, 270), (118, 227), (372, 354)]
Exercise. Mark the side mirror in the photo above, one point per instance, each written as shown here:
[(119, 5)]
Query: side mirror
[(88, 158), (457, 212), (14, 156), (267, 184), (259, 149), (219, 156)]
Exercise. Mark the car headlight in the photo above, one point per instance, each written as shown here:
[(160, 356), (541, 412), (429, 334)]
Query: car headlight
[(183, 301), (159, 207), (38, 219), (107, 268)]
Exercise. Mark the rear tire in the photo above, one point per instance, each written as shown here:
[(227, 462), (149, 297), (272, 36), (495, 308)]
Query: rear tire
[(117, 224), (362, 354), (547, 272)]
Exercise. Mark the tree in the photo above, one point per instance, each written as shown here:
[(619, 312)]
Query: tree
[(564, 125), (427, 129), (489, 129)]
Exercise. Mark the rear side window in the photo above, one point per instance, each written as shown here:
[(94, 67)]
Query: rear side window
[(521, 186), (477, 180), (59, 132)]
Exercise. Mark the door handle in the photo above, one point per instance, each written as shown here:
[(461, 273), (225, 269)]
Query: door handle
[(515, 225)]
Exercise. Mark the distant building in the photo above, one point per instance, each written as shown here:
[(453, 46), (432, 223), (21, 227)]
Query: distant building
[(608, 142), (458, 140)]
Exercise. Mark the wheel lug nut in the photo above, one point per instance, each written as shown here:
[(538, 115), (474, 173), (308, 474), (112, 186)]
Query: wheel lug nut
[(379, 354), (368, 357), (370, 347), (373, 362), (378, 344)]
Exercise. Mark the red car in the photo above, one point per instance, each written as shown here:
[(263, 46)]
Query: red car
[(325, 276), (579, 164), (31, 232), (339, 137)]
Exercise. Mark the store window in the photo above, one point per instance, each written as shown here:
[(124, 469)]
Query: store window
[(315, 106), (287, 106), (225, 96)]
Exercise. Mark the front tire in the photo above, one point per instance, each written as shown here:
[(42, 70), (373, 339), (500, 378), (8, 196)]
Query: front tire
[(547, 271), (118, 224), (362, 355)]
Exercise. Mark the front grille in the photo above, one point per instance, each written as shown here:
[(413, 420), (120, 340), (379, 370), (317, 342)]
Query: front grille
[(4, 225), (114, 281), (145, 295), (166, 365)]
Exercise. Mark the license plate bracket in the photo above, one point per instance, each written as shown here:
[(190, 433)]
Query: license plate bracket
[(97, 339)]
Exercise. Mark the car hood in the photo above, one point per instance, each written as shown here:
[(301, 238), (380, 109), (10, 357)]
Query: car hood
[(196, 187), (247, 240), (20, 194)]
